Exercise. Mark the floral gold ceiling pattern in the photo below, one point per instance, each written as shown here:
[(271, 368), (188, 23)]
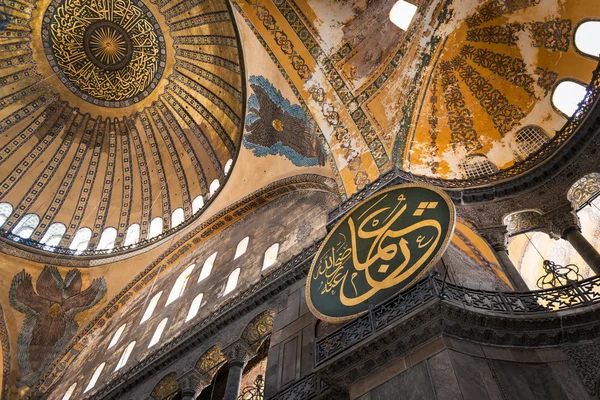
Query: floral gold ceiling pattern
[(116, 112)]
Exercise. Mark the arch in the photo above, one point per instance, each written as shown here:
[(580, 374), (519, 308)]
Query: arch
[(530, 139), (227, 167), (258, 329), (197, 204), (214, 186), (177, 217), (53, 235), (6, 210), (232, 281), (125, 356), (207, 267), (180, 284), (158, 332), (26, 226), (107, 239), (69, 391), (156, 227), (151, 306), (567, 95), (270, 256), (241, 247), (167, 388), (523, 222), (117, 336), (584, 190), (133, 235), (210, 361), (81, 240), (194, 307), (586, 38), (95, 377), (477, 166)]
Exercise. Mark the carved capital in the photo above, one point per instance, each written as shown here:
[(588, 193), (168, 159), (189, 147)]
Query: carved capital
[(561, 220), (193, 382), (239, 352), (495, 236)]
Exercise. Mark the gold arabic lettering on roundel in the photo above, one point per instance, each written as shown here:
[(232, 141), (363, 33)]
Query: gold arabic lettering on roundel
[(381, 247)]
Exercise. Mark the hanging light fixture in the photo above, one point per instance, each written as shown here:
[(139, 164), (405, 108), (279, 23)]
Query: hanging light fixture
[(402, 14)]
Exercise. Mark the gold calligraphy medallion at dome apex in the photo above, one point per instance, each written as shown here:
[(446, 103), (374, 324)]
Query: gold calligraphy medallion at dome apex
[(110, 53)]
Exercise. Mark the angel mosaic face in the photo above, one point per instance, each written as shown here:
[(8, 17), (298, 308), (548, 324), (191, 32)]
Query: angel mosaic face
[(110, 53)]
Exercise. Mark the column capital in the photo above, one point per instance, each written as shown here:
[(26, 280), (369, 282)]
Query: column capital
[(193, 382), (561, 220), (239, 352), (495, 236)]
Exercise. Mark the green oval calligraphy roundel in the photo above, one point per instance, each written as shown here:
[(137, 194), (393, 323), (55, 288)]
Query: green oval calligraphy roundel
[(381, 247)]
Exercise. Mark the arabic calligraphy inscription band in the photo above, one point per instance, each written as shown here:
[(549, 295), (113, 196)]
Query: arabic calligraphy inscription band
[(381, 247)]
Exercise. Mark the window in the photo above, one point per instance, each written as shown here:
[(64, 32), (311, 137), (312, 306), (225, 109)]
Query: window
[(214, 186), (232, 281), (158, 332), (5, 211), (133, 235), (197, 204), (69, 392), (125, 356), (107, 240), (207, 267), (567, 96), (81, 240), (117, 336), (177, 217), (195, 307), (95, 377), (53, 235), (241, 247), (26, 226), (477, 166), (228, 165), (402, 14), (151, 307), (156, 227), (530, 139), (586, 38), (180, 284), (270, 256)]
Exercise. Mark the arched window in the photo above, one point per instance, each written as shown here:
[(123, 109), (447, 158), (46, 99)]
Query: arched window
[(567, 96), (133, 235), (107, 240), (125, 356), (117, 336), (26, 226), (270, 256), (477, 166), (232, 281), (81, 240), (197, 204), (207, 267), (151, 307), (530, 139), (214, 186), (158, 332), (227, 167), (180, 284), (241, 247), (53, 235), (194, 308), (5, 211), (177, 217), (156, 227), (69, 391), (586, 38), (95, 377)]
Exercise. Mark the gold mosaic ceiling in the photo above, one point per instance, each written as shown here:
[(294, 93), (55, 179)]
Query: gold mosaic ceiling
[(115, 112)]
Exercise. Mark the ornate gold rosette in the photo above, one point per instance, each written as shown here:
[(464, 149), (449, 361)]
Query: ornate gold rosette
[(108, 52)]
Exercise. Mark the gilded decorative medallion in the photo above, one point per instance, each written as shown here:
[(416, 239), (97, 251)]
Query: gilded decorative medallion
[(108, 52)]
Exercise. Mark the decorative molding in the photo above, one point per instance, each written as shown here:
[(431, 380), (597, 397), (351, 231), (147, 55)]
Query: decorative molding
[(562, 220)]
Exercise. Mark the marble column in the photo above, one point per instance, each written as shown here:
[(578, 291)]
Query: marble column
[(496, 238), (238, 354), (192, 383), (564, 224)]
